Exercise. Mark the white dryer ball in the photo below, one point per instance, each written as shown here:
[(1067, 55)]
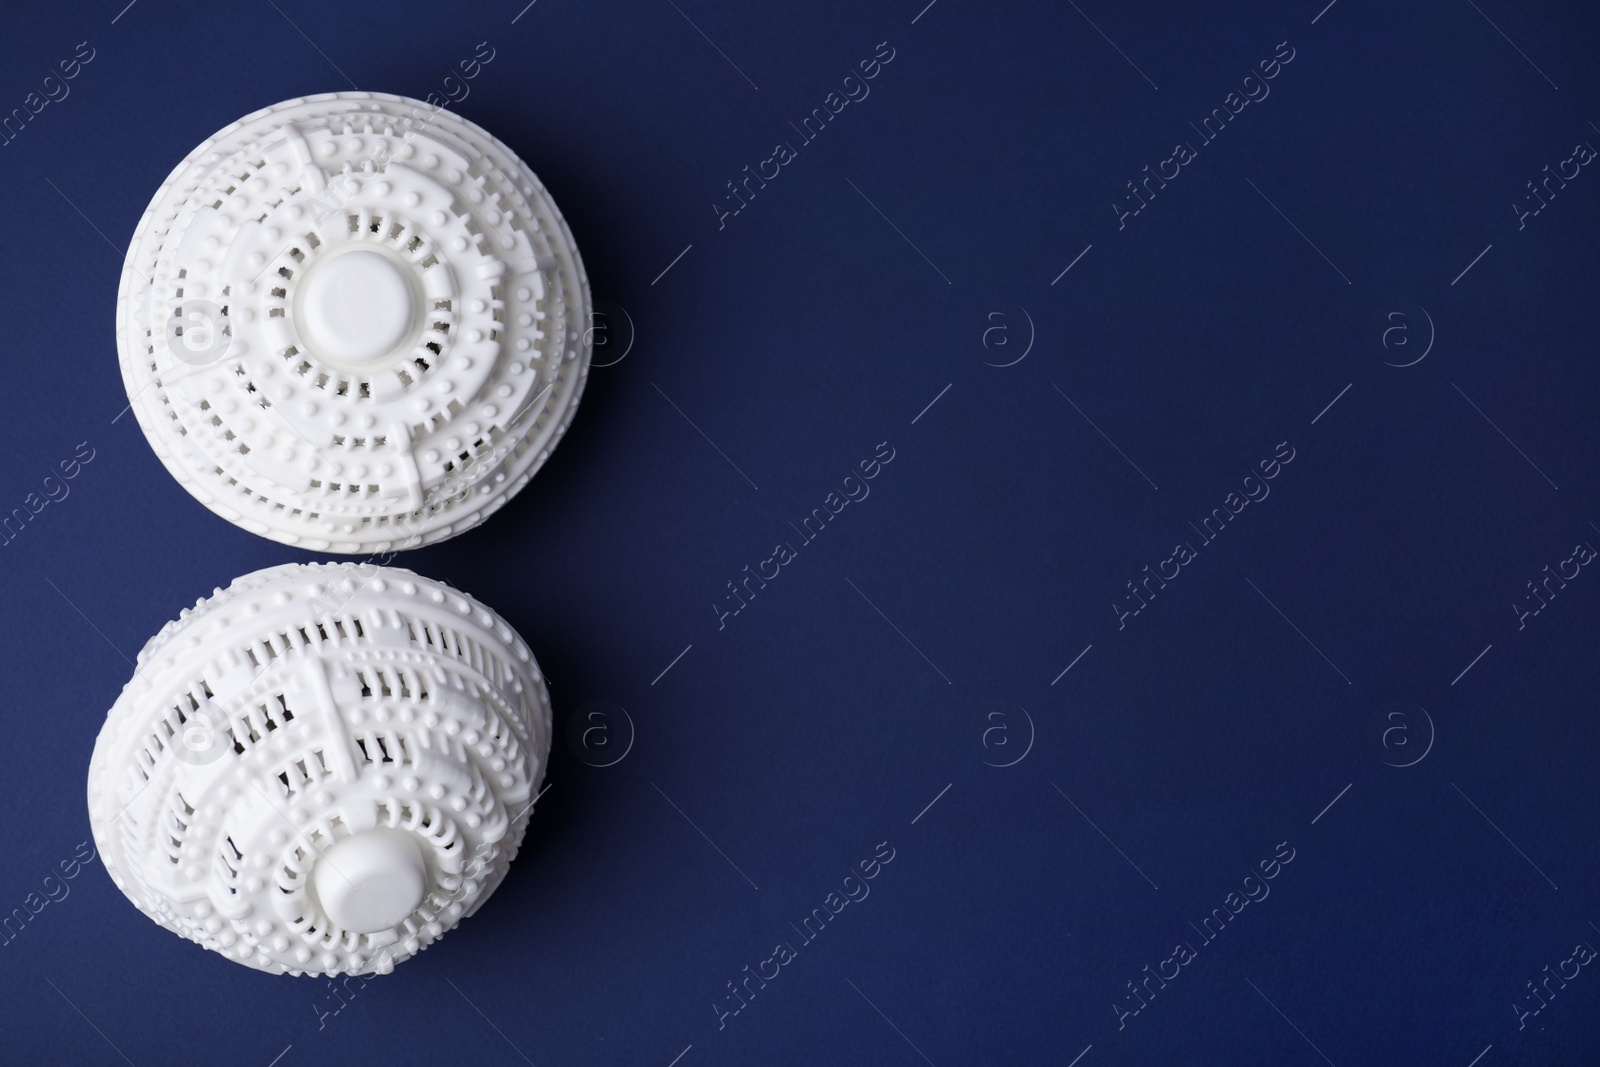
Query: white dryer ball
[(353, 323), (321, 768)]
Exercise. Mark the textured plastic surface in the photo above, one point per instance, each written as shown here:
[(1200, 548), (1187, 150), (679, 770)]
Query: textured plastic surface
[(353, 322), (321, 768)]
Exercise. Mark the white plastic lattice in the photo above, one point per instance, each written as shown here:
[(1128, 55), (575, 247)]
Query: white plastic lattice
[(353, 322), (322, 768)]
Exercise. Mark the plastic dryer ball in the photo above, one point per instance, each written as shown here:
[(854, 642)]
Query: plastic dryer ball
[(389, 293), (314, 791)]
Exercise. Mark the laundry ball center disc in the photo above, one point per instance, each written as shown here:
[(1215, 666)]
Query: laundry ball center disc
[(353, 323), (356, 308), (371, 881)]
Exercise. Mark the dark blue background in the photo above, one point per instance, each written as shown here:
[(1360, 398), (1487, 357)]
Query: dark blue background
[(797, 338)]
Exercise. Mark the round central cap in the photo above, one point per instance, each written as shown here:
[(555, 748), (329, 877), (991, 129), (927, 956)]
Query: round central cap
[(370, 881), (355, 307)]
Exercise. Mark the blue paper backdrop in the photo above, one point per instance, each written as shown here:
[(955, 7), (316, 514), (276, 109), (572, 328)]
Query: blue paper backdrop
[(902, 288)]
